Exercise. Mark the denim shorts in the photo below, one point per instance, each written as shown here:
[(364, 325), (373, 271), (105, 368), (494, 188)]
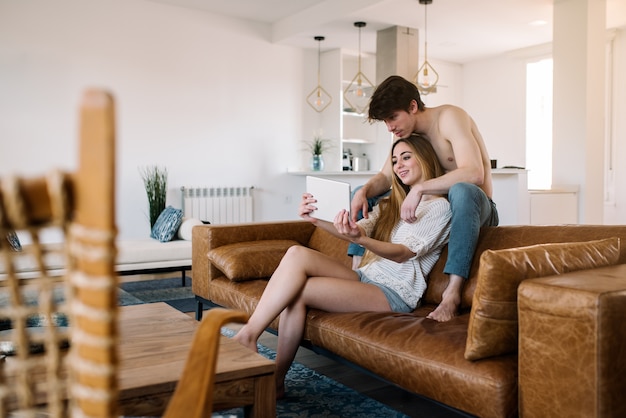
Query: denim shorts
[(395, 302)]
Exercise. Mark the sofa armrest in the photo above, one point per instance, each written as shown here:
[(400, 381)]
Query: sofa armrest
[(572, 336), (207, 237)]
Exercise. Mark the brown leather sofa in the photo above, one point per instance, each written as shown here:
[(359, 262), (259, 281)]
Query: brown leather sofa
[(471, 363)]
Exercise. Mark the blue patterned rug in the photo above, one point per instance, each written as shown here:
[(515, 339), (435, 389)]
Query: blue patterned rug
[(309, 393), (169, 291)]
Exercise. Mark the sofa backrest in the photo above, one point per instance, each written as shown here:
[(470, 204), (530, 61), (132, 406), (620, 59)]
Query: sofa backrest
[(496, 238), (330, 245)]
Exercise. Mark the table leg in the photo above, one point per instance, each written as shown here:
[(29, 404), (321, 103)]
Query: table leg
[(264, 398)]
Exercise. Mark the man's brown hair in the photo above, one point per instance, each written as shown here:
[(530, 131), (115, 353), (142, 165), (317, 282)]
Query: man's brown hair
[(393, 94)]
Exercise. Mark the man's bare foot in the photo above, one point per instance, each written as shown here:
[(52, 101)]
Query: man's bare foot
[(445, 311), (450, 301), (243, 338)]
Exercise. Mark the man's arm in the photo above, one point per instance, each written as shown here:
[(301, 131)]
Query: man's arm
[(379, 184), (455, 126)]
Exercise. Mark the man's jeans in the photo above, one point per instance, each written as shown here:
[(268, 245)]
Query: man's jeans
[(356, 249), (471, 209)]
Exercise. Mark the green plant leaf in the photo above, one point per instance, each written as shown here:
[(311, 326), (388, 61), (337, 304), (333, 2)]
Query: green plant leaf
[(155, 181)]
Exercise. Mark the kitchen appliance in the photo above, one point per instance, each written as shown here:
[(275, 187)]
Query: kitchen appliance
[(360, 163)]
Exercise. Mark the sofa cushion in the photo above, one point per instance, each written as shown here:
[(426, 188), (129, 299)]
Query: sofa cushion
[(249, 260), (167, 224), (184, 231), (150, 252), (14, 241), (492, 326)]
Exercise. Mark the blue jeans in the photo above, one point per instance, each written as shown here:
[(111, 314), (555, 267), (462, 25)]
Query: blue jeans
[(395, 301), (356, 249), (471, 210)]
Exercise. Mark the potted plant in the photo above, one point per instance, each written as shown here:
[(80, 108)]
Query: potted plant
[(317, 146), (155, 182)]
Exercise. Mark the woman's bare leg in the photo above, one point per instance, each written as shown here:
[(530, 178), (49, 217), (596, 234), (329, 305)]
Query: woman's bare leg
[(290, 332), (285, 285), (326, 293), (305, 278)]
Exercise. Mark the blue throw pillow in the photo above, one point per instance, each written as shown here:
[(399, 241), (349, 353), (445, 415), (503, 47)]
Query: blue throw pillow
[(14, 241), (167, 224)]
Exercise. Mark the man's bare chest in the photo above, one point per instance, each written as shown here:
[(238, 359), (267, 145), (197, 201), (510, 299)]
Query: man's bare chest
[(444, 152)]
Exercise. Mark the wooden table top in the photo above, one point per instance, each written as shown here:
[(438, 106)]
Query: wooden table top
[(154, 341)]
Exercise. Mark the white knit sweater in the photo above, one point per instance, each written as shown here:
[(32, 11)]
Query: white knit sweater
[(425, 237)]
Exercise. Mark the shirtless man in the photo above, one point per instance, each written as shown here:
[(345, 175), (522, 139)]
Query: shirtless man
[(467, 182)]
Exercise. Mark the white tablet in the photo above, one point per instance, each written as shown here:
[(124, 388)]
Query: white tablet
[(331, 195)]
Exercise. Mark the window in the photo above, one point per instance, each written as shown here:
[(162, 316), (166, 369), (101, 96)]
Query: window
[(539, 123)]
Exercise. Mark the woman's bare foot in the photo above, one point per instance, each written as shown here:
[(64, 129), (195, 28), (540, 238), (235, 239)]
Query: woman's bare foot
[(245, 339)]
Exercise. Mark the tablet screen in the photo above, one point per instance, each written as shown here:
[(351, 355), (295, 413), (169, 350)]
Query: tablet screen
[(331, 195)]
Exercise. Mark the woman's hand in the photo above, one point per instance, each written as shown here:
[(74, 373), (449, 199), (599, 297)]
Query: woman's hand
[(346, 226), (306, 207)]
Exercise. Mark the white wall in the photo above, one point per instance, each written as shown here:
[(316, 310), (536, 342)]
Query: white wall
[(494, 94), (615, 209), (209, 98)]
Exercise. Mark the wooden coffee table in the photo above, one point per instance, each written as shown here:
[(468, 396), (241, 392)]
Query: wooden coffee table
[(154, 341)]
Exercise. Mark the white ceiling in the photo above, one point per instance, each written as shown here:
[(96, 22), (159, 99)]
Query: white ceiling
[(458, 30)]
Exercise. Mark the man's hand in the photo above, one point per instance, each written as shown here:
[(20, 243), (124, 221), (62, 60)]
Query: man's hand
[(359, 203), (407, 211)]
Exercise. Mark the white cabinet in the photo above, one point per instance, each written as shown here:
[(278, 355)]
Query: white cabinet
[(347, 129), (510, 192), (556, 206)]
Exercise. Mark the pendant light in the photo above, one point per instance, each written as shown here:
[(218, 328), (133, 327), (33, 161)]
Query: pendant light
[(427, 77), (319, 99), (360, 89)]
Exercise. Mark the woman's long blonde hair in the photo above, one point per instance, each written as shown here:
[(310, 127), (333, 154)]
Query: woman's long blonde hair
[(390, 206)]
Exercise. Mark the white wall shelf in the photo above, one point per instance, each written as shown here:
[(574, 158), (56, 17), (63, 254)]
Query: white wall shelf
[(350, 130), (333, 173)]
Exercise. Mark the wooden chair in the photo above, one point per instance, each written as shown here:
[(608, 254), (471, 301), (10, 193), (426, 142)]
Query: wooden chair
[(199, 374), (41, 377)]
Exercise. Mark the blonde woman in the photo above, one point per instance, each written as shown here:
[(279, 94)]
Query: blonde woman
[(391, 277)]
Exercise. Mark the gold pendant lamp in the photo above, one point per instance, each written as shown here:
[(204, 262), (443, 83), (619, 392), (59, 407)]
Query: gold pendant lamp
[(360, 89), (426, 77), (319, 99)]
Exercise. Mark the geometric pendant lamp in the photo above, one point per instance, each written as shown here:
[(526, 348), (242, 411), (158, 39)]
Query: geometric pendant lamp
[(426, 77), (319, 99), (360, 89)]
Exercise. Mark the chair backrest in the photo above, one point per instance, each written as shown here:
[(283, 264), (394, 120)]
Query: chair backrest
[(38, 374), (193, 397)]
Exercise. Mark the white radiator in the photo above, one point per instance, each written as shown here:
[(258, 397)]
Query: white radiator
[(218, 205)]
